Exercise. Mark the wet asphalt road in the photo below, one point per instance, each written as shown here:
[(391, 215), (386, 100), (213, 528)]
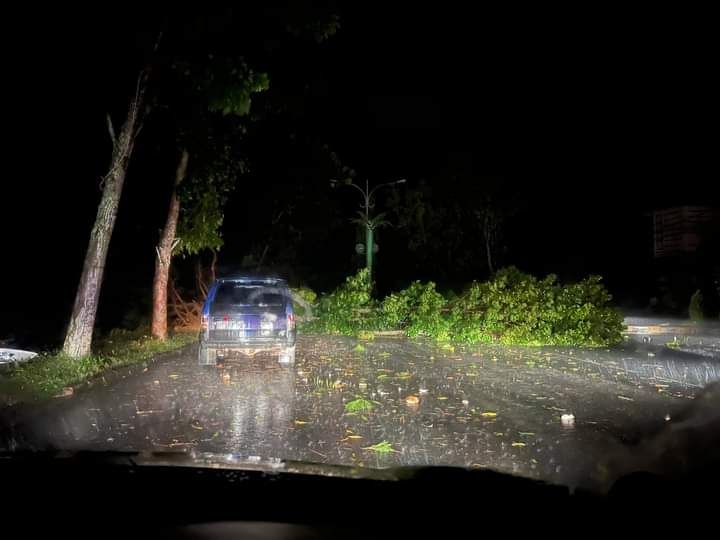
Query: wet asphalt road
[(482, 406)]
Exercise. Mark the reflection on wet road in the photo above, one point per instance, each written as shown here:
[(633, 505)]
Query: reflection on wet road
[(381, 403)]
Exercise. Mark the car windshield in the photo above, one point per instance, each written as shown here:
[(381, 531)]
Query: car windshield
[(328, 233)]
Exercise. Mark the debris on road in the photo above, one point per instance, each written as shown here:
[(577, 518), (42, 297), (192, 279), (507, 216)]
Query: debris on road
[(479, 405), (66, 392), (14, 356), (383, 447), (412, 400)]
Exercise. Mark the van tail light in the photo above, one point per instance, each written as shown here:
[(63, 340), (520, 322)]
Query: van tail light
[(291, 321), (203, 322)]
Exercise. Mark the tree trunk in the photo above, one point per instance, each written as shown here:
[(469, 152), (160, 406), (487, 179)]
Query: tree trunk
[(200, 278), (78, 338), (489, 241), (213, 264), (164, 255), (262, 258)]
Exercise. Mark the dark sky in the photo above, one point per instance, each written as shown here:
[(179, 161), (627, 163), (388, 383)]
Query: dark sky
[(591, 119)]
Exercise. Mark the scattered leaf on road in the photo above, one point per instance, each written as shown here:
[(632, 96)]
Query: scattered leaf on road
[(382, 447), (359, 405), (412, 400)]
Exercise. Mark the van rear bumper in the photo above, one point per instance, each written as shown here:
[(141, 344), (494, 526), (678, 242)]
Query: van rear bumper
[(249, 345)]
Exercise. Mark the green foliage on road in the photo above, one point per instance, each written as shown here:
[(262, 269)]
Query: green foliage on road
[(512, 308), (49, 374), (383, 447), (519, 309), (418, 310), (305, 294), (359, 405), (348, 310)]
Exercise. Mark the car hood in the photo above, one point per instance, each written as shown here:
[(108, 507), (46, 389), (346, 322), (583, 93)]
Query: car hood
[(237, 462)]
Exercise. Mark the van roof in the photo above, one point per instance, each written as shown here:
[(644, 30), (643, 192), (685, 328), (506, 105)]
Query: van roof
[(254, 280)]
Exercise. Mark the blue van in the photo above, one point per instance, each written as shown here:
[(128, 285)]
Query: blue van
[(248, 315)]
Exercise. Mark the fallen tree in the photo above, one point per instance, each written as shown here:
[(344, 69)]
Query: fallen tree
[(512, 308)]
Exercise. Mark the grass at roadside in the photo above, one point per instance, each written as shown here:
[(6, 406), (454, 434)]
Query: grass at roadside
[(49, 374)]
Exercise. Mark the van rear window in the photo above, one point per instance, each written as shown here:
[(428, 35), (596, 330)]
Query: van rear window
[(249, 295)]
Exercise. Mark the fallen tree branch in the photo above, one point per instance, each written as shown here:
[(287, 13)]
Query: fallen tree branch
[(185, 313)]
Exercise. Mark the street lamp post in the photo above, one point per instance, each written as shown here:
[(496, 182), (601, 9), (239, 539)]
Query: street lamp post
[(366, 204)]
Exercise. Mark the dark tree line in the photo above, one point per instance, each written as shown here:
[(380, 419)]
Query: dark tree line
[(199, 84)]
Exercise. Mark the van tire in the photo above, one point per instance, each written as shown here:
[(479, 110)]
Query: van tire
[(207, 356), (287, 356)]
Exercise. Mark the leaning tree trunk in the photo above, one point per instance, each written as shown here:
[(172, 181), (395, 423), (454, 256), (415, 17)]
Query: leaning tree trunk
[(79, 333), (164, 255)]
